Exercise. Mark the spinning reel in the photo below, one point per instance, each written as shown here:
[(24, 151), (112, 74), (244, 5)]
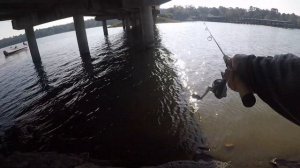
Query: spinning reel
[(219, 89)]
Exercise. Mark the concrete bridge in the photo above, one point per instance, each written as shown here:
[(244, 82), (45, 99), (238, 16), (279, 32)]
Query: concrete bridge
[(137, 14)]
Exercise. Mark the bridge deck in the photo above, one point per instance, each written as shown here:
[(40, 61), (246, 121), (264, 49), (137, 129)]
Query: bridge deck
[(50, 10)]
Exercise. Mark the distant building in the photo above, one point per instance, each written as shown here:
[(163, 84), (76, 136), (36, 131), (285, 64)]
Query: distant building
[(213, 18), (268, 22), (274, 10)]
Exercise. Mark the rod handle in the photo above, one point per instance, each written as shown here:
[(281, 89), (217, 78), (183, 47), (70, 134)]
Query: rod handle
[(246, 95)]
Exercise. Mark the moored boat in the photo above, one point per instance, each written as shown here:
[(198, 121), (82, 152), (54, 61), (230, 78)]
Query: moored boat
[(13, 51)]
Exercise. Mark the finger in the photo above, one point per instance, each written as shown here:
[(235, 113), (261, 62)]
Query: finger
[(226, 74), (228, 61)]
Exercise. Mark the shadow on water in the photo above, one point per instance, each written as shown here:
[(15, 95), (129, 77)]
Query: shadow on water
[(88, 66), (126, 104), (43, 79)]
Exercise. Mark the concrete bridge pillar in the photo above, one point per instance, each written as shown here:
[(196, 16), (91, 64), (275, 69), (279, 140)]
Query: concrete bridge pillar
[(156, 12), (81, 35), (104, 25), (135, 20), (123, 24), (127, 24), (147, 25), (33, 47)]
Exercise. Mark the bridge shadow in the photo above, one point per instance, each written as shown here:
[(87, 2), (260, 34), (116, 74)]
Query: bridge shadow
[(42, 75), (87, 65), (131, 109)]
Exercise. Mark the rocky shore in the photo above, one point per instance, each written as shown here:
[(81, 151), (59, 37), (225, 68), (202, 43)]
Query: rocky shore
[(56, 160)]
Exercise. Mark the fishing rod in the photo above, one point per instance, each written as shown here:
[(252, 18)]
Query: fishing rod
[(219, 87), (212, 37)]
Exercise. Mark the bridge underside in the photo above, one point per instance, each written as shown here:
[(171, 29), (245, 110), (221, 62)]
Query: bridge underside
[(26, 14)]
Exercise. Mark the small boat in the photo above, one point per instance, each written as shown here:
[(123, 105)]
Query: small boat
[(14, 50)]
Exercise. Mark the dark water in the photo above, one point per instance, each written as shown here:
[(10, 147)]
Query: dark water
[(122, 103)]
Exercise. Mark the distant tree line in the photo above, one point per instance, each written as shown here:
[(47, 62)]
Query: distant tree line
[(50, 31), (190, 13)]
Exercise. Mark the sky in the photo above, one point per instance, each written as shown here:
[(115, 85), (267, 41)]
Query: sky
[(6, 29), (284, 6)]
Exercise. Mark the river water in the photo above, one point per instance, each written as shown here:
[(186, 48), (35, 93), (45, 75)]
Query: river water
[(122, 103)]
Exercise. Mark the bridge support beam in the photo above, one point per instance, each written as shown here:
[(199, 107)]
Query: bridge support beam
[(81, 35), (104, 25), (147, 25), (33, 47)]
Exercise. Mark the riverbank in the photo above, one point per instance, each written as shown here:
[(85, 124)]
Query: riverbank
[(252, 15), (250, 21), (253, 21)]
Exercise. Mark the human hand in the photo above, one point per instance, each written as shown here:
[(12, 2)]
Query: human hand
[(235, 83), (231, 74)]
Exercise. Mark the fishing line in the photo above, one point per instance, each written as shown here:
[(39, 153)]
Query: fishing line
[(219, 87), (211, 37)]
